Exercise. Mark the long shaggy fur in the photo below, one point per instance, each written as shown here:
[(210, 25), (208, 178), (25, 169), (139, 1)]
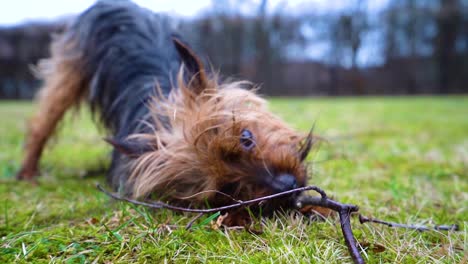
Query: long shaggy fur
[(197, 149), (178, 132)]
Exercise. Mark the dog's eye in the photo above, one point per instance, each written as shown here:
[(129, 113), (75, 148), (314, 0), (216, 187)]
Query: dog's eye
[(247, 140)]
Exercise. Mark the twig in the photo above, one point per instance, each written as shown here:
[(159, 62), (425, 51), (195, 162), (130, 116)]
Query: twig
[(209, 191), (189, 225), (159, 205), (364, 219), (344, 211)]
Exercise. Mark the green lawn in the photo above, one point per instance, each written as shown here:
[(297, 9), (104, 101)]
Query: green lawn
[(400, 159)]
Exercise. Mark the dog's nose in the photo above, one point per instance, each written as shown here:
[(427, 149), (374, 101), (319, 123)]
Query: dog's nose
[(284, 182)]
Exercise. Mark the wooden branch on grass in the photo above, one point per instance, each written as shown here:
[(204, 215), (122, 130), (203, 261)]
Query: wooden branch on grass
[(345, 211), (239, 203), (364, 219)]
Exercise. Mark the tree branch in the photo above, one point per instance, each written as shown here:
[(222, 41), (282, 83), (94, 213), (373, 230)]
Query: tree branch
[(159, 205), (344, 211), (364, 219)]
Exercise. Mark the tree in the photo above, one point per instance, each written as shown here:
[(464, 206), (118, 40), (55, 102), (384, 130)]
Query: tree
[(448, 19)]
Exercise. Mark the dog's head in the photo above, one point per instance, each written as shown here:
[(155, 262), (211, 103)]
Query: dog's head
[(213, 142)]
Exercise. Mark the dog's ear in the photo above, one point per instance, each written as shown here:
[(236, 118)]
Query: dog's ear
[(306, 146), (193, 66), (131, 149)]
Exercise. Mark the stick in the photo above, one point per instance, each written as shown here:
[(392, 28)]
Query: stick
[(364, 219), (344, 211), (190, 224), (159, 205)]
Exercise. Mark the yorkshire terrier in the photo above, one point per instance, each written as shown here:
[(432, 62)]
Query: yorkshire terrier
[(178, 132)]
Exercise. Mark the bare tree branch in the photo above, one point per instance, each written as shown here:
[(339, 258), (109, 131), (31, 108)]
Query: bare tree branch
[(160, 205), (364, 219), (190, 224), (345, 211)]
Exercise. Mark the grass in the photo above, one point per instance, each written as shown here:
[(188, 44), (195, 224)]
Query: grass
[(400, 159)]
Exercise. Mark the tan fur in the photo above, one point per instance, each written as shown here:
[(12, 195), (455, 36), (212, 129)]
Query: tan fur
[(191, 155), (63, 87)]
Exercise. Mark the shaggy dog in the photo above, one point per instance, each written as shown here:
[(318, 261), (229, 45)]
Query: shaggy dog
[(178, 132)]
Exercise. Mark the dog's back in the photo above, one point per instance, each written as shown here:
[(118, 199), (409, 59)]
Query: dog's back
[(113, 56), (125, 51)]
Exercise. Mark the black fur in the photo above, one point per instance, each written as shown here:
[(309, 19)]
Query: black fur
[(126, 50)]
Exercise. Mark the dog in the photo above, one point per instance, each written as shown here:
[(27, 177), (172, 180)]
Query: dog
[(178, 132)]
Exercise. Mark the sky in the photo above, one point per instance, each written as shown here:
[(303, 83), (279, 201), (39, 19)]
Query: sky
[(19, 11)]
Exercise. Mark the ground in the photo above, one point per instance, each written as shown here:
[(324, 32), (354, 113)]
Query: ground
[(401, 159)]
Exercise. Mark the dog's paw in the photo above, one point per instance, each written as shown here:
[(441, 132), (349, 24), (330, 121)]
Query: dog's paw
[(27, 174)]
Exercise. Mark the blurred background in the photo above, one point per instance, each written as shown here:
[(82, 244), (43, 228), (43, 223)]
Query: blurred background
[(292, 48)]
